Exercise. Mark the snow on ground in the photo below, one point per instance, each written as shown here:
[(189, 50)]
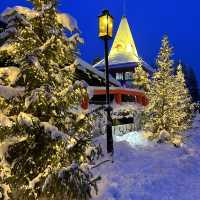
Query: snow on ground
[(134, 139), (149, 171)]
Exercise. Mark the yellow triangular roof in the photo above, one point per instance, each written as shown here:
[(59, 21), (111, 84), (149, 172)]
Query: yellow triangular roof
[(123, 48)]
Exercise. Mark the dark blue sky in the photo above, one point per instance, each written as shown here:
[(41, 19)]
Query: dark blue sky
[(149, 20)]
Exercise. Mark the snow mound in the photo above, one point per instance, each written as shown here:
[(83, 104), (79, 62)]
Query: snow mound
[(135, 139)]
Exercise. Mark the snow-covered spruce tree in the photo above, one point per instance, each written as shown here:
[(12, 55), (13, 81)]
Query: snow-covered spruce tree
[(185, 105), (141, 77), (167, 111), (45, 139)]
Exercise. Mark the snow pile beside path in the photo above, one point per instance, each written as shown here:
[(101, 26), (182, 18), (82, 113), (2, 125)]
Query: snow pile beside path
[(135, 139), (152, 172)]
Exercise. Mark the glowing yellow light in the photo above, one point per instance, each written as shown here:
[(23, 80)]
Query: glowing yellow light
[(81, 158), (72, 141), (105, 25)]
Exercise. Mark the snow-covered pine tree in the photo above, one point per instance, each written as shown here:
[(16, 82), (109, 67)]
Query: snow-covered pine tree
[(185, 105), (164, 112), (141, 77), (45, 139)]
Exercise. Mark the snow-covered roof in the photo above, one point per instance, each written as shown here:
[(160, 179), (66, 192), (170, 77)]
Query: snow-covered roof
[(123, 51), (83, 65), (145, 65)]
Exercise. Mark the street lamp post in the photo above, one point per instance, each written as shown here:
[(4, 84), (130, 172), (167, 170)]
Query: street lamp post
[(105, 33)]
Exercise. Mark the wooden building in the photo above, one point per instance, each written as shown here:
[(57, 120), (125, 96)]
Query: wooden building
[(97, 91), (123, 56)]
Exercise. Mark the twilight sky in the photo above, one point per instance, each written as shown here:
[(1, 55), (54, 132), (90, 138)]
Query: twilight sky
[(148, 20)]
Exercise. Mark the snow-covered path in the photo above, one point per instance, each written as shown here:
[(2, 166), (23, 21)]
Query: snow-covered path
[(153, 172)]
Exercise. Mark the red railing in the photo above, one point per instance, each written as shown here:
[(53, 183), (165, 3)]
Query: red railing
[(139, 95)]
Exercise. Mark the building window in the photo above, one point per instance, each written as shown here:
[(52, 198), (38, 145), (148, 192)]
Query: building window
[(129, 76), (119, 76)]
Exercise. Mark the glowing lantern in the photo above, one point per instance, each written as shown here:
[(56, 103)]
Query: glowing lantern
[(105, 25)]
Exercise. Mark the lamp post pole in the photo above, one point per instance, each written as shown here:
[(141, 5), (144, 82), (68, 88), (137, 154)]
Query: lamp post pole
[(108, 108), (105, 33)]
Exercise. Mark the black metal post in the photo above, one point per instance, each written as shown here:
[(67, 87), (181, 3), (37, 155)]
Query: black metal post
[(108, 108)]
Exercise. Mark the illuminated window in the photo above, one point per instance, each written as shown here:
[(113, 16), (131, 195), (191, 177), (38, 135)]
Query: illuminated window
[(119, 76), (129, 76)]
